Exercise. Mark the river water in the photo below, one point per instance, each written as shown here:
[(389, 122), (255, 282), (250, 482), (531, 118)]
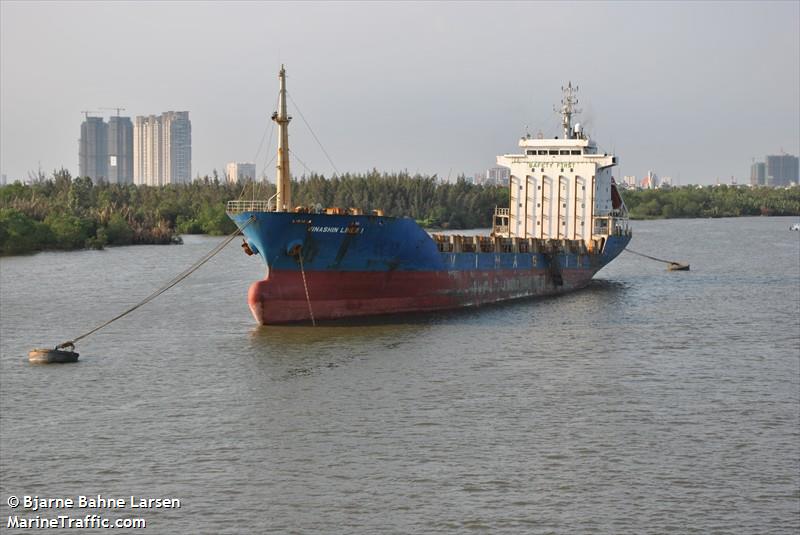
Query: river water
[(649, 402)]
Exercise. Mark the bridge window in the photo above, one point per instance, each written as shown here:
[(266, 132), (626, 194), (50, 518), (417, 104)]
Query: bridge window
[(543, 152), (576, 153), (530, 152), (554, 152), (564, 152)]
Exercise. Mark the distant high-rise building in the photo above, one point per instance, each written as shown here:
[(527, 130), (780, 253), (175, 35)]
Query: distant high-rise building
[(498, 176), (494, 176), (177, 132), (629, 181), (147, 168), (782, 169), (162, 149), (758, 174), (650, 181), (120, 150), (93, 149), (235, 171)]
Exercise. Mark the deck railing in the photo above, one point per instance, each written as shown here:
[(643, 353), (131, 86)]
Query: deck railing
[(237, 207)]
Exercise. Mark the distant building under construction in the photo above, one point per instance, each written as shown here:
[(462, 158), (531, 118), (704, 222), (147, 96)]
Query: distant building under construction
[(105, 150), (778, 170)]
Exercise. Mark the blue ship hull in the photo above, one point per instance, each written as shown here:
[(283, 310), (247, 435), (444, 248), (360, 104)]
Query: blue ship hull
[(331, 266)]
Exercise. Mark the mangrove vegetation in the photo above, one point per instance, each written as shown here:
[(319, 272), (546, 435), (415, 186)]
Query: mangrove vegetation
[(62, 212), (72, 213), (711, 201)]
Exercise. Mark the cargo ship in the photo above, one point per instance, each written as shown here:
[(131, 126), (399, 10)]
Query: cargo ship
[(565, 221)]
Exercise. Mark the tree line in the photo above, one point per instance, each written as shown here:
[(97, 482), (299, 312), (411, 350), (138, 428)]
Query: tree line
[(712, 201), (63, 212)]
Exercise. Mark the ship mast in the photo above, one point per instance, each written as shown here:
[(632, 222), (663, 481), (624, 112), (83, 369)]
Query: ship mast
[(568, 109), (283, 178)]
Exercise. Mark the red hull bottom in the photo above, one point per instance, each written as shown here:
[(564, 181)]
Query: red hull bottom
[(281, 297)]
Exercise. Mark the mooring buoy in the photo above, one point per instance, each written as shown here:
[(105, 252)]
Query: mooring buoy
[(42, 355), (677, 266), (671, 265)]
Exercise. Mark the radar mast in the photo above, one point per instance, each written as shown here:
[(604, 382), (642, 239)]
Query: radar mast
[(568, 109)]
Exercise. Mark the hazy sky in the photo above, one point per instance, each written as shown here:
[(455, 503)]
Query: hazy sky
[(688, 89)]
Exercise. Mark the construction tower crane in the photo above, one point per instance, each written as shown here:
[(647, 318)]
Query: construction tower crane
[(113, 108), (87, 112)]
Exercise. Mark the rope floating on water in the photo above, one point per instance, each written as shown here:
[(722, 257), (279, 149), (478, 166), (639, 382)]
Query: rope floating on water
[(671, 266), (175, 280)]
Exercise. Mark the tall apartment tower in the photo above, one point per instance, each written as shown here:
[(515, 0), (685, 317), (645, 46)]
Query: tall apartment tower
[(120, 150), (93, 149), (162, 149), (177, 146), (147, 151)]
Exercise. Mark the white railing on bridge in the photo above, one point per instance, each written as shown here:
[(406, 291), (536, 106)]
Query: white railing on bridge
[(237, 207)]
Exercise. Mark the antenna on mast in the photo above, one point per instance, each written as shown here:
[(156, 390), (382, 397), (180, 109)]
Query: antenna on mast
[(568, 109)]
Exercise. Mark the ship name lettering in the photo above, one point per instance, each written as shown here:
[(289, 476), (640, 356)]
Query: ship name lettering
[(337, 230)]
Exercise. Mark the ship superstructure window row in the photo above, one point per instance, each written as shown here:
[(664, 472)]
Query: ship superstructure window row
[(554, 152)]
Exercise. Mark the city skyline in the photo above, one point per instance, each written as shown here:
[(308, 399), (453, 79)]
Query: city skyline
[(432, 88)]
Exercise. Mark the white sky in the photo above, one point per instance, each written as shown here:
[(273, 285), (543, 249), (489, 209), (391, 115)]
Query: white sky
[(690, 90)]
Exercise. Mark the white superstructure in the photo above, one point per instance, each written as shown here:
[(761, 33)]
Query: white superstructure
[(560, 188)]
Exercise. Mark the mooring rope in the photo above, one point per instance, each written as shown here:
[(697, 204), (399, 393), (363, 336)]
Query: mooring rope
[(305, 285), (175, 280), (650, 257)]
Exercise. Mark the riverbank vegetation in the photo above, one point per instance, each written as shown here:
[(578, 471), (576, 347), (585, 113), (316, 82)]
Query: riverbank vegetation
[(66, 213), (711, 201)]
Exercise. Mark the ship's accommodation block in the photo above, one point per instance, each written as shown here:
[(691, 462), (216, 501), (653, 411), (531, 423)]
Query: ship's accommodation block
[(559, 189)]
